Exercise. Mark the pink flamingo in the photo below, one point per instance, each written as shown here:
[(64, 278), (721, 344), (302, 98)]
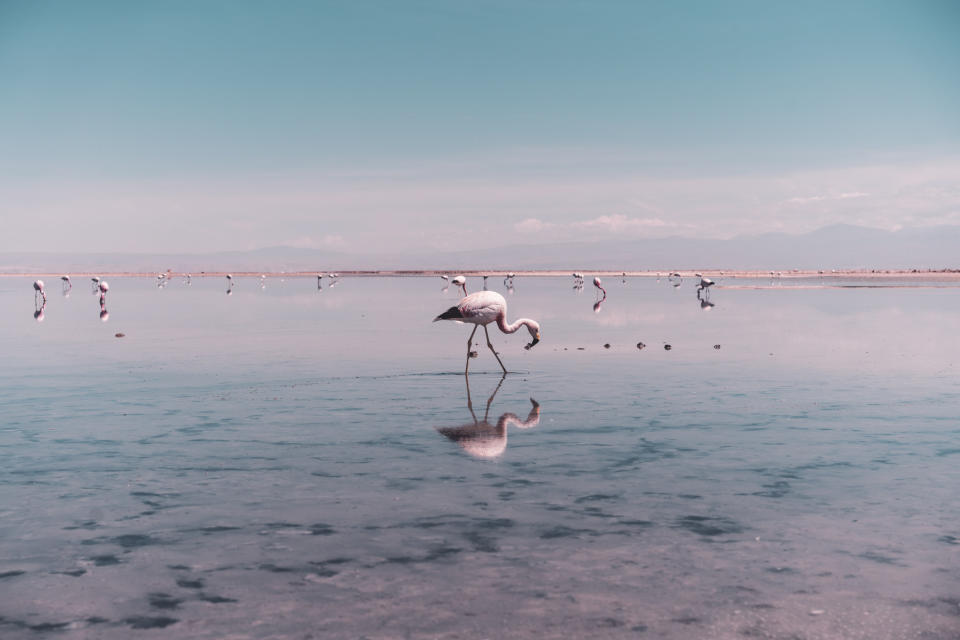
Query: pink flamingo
[(38, 288), (596, 283), (482, 308)]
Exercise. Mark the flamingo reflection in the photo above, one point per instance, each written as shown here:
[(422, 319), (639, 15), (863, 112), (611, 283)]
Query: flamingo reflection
[(482, 439)]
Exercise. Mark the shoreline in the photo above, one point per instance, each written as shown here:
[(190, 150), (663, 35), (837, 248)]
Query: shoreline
[(539, 273)]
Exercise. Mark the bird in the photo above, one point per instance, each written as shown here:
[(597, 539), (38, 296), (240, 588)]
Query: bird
[(704, 282), (597, 284), (485, 282), (103, 288), (461, 282), (444, 277), (482, 308), (38, 288), (230, 279)]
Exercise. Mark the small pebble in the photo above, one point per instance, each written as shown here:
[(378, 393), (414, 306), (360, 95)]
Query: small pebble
[(640, 345), (119, 335), (606, 346), (474, 354), (816, 612), (716, 346), (581, 348), (667, 347)]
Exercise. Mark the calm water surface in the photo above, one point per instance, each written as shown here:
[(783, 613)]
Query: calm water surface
[(287, 462)]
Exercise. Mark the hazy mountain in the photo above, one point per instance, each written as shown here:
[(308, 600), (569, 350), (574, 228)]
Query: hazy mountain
[(834, 247)]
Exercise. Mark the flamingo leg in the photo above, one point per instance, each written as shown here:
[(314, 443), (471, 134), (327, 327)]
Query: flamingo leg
[(493, 351), (469, 343)]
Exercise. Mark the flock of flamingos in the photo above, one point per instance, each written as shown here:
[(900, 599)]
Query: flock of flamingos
[(479, 438), (479, 309)]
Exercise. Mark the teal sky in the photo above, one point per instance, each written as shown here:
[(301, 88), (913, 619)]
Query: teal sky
[(202, 125)]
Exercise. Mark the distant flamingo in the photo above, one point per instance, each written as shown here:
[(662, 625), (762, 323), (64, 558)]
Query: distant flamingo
[(38, 289), (704, 282), (461, 282), (482, 308), (599, 303), (67, 285), (597, 284)]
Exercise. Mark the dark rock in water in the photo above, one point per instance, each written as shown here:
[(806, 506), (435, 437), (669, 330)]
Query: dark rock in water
[(640, 345), (667, 347), (474, 354), (148, 622), (581, 348), (190, 584), (716, 346), (606, 346), (119, 335)]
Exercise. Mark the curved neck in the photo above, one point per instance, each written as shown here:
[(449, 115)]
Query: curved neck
[(512, 328)]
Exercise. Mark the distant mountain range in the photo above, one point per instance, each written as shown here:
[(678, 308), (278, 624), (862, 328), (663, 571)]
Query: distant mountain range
[(834, 247)]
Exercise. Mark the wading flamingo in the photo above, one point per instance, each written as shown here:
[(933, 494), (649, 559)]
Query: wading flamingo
[(482, 308), (597, 284), (38, 289), (461, 282)]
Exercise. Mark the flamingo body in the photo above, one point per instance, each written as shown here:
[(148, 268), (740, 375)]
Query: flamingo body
[(483, 308)]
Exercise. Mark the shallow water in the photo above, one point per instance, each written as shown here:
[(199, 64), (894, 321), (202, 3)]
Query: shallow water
[(288, 462)]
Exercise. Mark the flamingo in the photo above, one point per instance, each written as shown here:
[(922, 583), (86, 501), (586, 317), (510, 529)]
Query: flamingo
[(461, 282), (38, 288), (103, 287), (444, 277), (597, 284), (67, 285), (599, 303), (704, 282), (482, 308)]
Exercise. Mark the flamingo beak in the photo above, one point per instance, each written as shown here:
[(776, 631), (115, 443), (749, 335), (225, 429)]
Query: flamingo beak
[(536, 339)]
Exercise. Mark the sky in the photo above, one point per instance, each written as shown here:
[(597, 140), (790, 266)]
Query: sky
[(382, 126)]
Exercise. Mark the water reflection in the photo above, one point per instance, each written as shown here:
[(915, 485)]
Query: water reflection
[(481, 438), (599, 303), (38, 311)]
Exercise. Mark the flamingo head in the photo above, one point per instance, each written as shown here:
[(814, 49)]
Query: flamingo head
[(534, 328)]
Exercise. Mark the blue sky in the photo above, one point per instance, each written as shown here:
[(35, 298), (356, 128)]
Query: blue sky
[(374, 126)]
